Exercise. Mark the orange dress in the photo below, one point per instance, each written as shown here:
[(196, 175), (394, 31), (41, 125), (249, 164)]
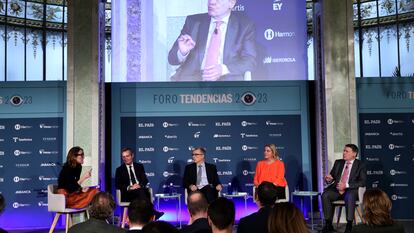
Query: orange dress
[(274, 173)]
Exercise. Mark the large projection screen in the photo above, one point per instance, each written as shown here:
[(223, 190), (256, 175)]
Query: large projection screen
[(264, 40)]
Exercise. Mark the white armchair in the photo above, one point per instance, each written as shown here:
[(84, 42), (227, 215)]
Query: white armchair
[(124, 205), (57, 203)]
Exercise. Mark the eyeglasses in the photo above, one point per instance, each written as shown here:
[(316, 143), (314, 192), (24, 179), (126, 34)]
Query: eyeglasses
[(80, 154), (196, 154)]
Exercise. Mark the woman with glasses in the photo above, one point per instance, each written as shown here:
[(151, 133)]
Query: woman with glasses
[(271, 169), (70, 180)]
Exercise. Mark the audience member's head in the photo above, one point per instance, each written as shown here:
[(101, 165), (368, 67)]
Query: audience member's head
[(197, 204), (159, 227), (286, 218), (266, 194), (221, 213), (102, 206), (140, 212), (2, 203), (377, 208)]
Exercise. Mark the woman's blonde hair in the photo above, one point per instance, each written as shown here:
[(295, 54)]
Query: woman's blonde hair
[(274, 150), (377, 208)]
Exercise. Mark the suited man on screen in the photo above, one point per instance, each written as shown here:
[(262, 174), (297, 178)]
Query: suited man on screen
[(346, 176), (218, 45), (202, 176)]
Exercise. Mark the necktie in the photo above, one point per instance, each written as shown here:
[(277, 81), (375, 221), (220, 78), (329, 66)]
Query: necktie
[(345, 176), (199, 174), (131, 174), (213, 51)]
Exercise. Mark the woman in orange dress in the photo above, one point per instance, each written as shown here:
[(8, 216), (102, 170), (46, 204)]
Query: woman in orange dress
[(70, 180), (271, 169)]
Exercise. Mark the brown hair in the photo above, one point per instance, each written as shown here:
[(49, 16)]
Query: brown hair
[(286, 218), (72, 154), (102, 206), (274, 150), (377, 208)]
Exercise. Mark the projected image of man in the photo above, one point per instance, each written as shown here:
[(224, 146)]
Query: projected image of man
[(218, 45)]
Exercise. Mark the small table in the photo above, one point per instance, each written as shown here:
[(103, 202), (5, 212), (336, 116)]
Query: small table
[(309, 194), (177, 196), (244, 195)]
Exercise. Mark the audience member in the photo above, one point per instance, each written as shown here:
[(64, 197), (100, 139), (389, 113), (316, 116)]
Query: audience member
[(286, 218), (101, 209), (377, 214), (159, 227), (197, 207), (346, 176), (257, 222), (271, 169), (2, 207), (140, 213), (221, 213)]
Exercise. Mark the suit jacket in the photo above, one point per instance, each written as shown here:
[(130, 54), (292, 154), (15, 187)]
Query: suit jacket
[(190, 175), (357, 175), (95, 226), (256, 222), (200, 224), (362, 228), (239, 53), (122, 177)]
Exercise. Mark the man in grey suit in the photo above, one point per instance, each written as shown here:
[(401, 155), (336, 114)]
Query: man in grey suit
[(346, 176), (101, 209), (218, 45)]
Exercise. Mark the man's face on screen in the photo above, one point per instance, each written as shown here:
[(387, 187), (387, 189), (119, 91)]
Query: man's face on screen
[(220, 8)]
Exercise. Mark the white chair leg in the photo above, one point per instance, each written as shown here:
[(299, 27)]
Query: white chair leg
[(67, 223), (55, 219), (339, 216), (124, 217)]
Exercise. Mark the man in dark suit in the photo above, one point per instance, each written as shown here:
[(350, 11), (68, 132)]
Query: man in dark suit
[(197, 207), (101, 209), (202, 176), (131, 179), (346, 176), (266, 196), (218, 45), (140, 213)]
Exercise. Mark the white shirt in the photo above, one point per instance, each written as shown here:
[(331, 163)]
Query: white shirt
[(204, 180), (133, 173)]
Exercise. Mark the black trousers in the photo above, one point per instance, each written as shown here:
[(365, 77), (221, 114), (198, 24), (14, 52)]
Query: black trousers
[(330, 195), (141, 193), (210, 193)]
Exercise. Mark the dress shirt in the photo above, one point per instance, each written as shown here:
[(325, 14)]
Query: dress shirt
[(204, 180), (349, 169)]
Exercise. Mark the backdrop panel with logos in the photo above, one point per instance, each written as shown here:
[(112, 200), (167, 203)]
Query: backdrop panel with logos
[(386, 121), (233, 121), (31, 150)]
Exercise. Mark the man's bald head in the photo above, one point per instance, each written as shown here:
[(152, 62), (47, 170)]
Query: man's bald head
[(197, 203)]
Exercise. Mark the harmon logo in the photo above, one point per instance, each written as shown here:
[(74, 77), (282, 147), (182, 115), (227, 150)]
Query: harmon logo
[(166, 124), (393, 146), (19, 127), (396, 197), (392, 121), (17, 179), (395, 172), (167, 174), (246, 172), (19, 152), (18, 205), (167, 149)]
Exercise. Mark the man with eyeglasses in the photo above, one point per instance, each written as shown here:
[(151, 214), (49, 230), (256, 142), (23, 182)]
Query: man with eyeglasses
[(202, 176)]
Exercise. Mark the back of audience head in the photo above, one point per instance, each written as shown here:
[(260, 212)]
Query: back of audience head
[(266, 194), (2, 203), (102, 206), (197, 203), (159, 227), (140, 212), (221, 213), (286, 218), (377, 208)]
